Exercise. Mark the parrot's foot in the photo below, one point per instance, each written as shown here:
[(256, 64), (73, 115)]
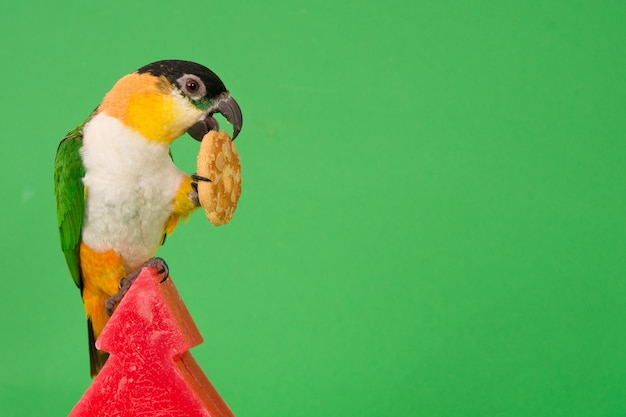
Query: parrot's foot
[(127, 281), (193, 196), (194, 185)]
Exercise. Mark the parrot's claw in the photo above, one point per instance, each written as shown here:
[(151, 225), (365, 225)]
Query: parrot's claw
[(127, 281), (197, 177), (160, 265)]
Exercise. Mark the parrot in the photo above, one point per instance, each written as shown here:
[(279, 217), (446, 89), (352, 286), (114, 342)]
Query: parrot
[(118, 192)]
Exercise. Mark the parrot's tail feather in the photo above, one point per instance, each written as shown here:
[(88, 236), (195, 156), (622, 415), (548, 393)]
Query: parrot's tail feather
[(97, 358)]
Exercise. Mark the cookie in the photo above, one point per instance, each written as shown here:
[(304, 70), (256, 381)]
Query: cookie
[(218, 161)]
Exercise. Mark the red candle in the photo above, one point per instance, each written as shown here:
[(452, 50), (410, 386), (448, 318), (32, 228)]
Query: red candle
[(150, 371)]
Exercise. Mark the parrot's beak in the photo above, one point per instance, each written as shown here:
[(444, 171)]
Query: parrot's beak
[(225, 105)]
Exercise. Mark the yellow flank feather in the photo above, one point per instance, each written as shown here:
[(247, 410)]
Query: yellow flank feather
[(101, 273)]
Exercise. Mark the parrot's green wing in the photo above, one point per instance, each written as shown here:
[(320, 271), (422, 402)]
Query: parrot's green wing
[(70, 195)]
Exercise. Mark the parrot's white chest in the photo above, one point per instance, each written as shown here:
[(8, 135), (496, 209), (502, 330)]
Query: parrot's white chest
[(131, 183)]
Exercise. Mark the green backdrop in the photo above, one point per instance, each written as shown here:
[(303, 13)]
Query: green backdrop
[(432, 219)]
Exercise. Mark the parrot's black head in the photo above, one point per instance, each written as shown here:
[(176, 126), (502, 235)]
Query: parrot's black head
[(204, 89), (174, 70)]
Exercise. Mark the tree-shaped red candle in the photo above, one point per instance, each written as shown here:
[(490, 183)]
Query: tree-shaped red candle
[(150, 371)]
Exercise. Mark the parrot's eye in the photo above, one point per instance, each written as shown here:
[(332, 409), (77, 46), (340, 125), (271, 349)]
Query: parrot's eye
[(192, 86)]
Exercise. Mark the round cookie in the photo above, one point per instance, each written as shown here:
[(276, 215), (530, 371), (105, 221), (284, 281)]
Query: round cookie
[(218, 161)]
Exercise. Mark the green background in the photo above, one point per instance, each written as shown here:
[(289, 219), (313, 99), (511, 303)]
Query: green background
[(432, 220)]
